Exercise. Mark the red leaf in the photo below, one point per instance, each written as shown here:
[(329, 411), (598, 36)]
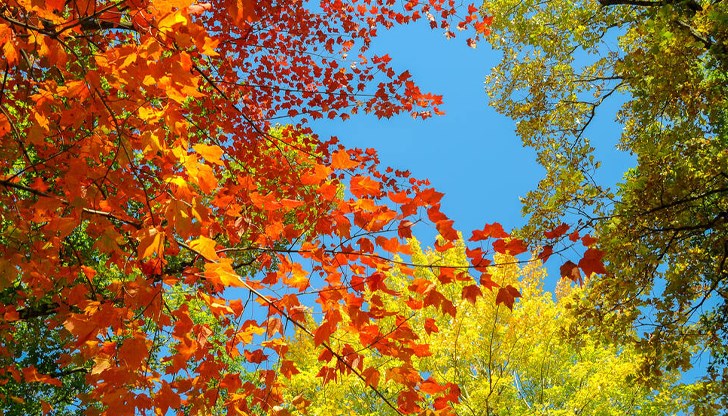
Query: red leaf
[(422, 350), (371, 376), (557, 232), (487, 282), (507, 296), (471, 293), (255, 357), (446, 230), (405, 229), (494, 230), (571, 271), (574, 236), (588, 240), (389, 244), (288, 368), (545, 253), (592, 262), (513, 247), (431, 326)]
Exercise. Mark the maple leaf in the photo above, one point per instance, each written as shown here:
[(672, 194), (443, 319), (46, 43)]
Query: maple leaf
[(222, 272), (545, 253), (31, 375), (588, 240), (151, 242), (4, 125), (371, 376), (494, 230), (591, 262), (430, 386), (571, 271), (512, 247), (507, 296), (557, 232), (243, 11), (205, 247), (431, 326), (210, 153), (471, 293), (340, 160), (255, 357), (363, 186)]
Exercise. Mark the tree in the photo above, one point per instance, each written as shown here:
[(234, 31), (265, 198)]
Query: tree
[(159, 232), (496, 361), (663, 228)]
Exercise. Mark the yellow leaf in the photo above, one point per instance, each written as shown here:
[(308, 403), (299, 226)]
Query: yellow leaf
[(148, 113), (222, 272), (205, 247), (152, 242), (168, 22), (210, 153)]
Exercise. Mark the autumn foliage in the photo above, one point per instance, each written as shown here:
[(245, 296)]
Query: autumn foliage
[(167, 232)]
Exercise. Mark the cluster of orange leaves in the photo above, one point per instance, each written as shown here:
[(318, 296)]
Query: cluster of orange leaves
[(145, 127)]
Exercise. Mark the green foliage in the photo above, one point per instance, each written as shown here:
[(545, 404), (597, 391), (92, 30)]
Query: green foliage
[(664, 227)]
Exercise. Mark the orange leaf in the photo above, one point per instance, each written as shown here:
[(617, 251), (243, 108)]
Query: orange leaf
[(4, 125), (430, 386), (171, 21), (133, 352), (31, 375), (152, 242), (446, 230), (323, 333), (363, 186), (242, 11), (422, 350), (210, 153), (221, 272), (340, 160), (298, 278)]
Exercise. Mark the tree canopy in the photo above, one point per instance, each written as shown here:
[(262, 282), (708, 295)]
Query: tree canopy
[(160, 233), (497, 361), (663, 227), (174, 237)]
